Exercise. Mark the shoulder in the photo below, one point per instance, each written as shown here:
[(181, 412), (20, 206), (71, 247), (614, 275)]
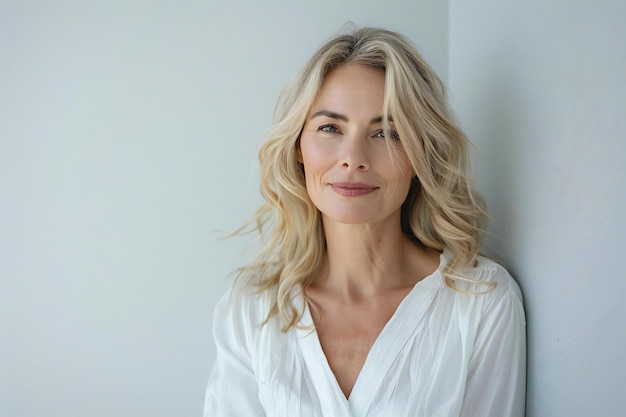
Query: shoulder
[(504, 300), (494, 282), (491, 271), (238, 321), (244, 306)]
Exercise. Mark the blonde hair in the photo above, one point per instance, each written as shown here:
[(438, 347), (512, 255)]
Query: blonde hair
[(440, 210)]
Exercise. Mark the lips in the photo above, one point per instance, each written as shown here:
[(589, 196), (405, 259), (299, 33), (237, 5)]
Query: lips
[(352, 189)]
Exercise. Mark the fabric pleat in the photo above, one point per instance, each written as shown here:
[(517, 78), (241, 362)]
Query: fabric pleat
[(442, 353)]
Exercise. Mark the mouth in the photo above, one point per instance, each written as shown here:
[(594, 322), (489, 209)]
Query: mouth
[(352, 189)]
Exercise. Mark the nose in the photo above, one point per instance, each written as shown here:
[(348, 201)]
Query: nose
[(354, 156)]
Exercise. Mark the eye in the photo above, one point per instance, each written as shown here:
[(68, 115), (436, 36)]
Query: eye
[(328, 129), (394, 134)]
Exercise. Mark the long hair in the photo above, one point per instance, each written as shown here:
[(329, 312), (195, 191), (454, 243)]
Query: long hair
[(440, 210)]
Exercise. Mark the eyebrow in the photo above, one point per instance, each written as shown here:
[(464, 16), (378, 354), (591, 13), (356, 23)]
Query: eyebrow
[(330, 114), (344, 118)]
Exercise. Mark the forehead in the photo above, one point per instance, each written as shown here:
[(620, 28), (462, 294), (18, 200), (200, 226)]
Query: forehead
[(352, 87)]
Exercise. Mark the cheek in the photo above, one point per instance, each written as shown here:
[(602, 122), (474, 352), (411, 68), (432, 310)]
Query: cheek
[(404, 167), (402, 174), (314, 158), (400, 165)]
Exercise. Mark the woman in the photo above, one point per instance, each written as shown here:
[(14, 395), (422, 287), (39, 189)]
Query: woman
[(368, 297)]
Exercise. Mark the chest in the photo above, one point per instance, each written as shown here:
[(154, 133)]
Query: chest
[(384, 374), (347, 333)]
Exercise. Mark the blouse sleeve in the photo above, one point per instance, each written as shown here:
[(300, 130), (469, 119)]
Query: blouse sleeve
[(496, 384), (232, 388)]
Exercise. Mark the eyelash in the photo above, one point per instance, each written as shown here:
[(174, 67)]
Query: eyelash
[(335, 129), (394, 134), (324, 127)]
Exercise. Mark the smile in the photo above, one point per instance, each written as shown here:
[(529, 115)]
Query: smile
[(352, 189)]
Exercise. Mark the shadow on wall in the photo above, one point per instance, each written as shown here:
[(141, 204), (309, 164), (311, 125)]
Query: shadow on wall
[(503, 157), (499, 132)]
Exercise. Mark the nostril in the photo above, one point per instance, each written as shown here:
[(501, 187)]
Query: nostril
[(354, 166)]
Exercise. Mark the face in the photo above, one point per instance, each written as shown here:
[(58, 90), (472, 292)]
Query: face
[(354, 174)]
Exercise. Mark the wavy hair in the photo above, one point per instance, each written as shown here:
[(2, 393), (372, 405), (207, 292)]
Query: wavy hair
[(440, 210)]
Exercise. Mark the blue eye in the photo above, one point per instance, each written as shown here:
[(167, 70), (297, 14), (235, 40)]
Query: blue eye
[(328, 129), (394, 135)]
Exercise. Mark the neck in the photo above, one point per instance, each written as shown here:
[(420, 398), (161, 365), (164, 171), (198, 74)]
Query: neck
[(363, 260)]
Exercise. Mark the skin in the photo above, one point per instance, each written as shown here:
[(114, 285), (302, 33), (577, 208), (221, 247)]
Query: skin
[(359, 186)]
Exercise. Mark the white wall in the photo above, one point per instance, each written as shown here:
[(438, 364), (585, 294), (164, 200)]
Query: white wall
[(128, 134), (540, 86)]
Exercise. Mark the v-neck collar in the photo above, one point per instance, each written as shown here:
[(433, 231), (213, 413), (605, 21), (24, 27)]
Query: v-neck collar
[(383, 352)]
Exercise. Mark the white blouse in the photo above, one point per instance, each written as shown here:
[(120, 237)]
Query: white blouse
[(442, 353)]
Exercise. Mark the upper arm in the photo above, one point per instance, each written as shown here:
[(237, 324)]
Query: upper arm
[(496, 381), (232, 388)]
